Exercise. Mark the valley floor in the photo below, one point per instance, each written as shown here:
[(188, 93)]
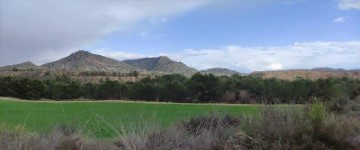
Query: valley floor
[(26, 124), (102, 118)]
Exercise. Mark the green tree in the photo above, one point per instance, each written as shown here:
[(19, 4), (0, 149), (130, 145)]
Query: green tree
[(204, 87)]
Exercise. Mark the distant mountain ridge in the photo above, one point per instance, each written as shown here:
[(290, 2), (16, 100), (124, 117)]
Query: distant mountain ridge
[(22, 66), (312, 74), (219, 71), (328, 69), (161, 64), (86, 61), (80, 61)]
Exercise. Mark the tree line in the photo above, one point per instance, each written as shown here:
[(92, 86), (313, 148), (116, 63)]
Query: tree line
[(177, 88)]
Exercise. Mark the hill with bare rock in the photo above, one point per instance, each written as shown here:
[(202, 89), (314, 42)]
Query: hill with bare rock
[(22, 66), (327, 69), (162, 64), (88, 67), (308, 73), (86, 61), (220, 71)]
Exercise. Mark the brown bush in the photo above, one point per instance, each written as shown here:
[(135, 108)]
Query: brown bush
[(203, 132), (291, 129), (61, 138)]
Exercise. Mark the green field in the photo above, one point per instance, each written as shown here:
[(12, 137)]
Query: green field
[(108, 118)]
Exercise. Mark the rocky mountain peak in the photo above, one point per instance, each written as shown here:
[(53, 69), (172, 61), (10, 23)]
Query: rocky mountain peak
[(28, 63), (164, 59), (80, 53), (22, 66), (82, 60), (162, 64)]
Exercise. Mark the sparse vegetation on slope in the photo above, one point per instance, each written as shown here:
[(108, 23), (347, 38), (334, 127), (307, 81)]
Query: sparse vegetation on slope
[(22, 66), (219, 71), (86, 61), (162, 64), (313, 74)]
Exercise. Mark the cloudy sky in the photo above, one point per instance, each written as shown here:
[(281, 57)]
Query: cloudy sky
[(244, 35)]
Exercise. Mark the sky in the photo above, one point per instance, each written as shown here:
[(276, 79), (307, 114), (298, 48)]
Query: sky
[(243, 35)]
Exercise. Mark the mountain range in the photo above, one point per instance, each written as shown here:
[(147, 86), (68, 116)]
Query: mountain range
[(81, 61), (84, 61), (22, 66), (161, 64), (220, 71)]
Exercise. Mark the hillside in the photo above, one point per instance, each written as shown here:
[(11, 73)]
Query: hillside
[(307, 73), (86, 61), (162, 64), (327, 69), (83, 64), (219, 71), (22, 66)]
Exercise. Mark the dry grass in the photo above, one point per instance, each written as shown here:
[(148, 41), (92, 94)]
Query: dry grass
[(62, 138), (205, 132)]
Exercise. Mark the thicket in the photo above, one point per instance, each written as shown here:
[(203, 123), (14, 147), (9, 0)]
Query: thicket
[(198, 88)]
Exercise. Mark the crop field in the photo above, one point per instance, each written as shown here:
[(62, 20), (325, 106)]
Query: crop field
[(106, 119)]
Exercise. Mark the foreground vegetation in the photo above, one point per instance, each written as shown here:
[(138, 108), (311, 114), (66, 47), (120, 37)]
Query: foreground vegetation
[(107, 119), (308, 128), (176, 88)]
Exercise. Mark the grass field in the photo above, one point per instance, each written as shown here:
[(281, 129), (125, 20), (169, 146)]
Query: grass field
[(106, 119)]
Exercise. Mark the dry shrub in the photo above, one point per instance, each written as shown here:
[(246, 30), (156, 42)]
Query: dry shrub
[(131, 141), (278, 129), (294, 129), (12, 140), (15, 138), (209, 132), (344, 106), (61, 138), (66, 137), (211, 122), (341, 130), (204, 132), (239, 140), (229, 97)]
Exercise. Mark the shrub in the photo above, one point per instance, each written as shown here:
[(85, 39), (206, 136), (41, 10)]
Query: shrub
[(316, 114), (61, 138), (294, 129), (279, 129), (203, 132)]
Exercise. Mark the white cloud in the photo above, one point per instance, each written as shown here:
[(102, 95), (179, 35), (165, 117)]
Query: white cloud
[(300, 55), (339, 20), (348, 4), (31, 29), (276, 66)]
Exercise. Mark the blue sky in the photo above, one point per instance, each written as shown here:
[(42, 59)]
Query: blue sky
[(241, 35), (271, 24)]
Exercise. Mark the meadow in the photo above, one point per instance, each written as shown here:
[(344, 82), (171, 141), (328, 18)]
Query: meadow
[(119, 124), (106, 119)]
